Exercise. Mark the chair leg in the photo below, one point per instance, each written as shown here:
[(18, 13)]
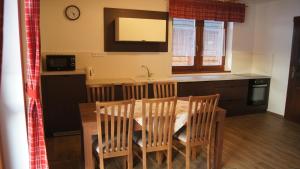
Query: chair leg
[(130, 161), (208, 160), (169, 159), (101, 163), (194, 153), (187, 157), (144, 160), (159, 157), (125, 163)]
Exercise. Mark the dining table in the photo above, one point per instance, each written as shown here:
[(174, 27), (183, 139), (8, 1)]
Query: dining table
[(89, 127)]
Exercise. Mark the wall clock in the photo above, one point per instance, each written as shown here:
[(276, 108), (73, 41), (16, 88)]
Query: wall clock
[(72, 12)]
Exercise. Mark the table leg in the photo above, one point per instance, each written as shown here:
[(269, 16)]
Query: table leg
[(218, 149), (88, 156), (159, 157), (194, 154)]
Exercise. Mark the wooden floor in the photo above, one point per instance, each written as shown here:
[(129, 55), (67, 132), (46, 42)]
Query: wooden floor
[(259, 141)]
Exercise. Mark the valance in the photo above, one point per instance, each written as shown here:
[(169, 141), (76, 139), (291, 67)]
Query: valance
[(207, 10)]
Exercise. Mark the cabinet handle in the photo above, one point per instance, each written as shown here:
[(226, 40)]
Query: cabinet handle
[(263, 85)]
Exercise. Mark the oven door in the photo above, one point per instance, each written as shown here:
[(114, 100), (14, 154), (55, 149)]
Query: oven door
[(258, 94)]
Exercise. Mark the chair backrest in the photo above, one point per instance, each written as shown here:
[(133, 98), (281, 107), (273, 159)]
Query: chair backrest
[(135, 91), (100, 92), (164, 89), (201, 117), (158, 117), (115, 123)]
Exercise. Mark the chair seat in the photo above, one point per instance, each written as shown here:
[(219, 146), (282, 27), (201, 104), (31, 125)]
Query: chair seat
[(181, 136), (137, 138), (96, 146)]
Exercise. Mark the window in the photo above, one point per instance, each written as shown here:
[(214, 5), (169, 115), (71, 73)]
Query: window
[(198, 45)]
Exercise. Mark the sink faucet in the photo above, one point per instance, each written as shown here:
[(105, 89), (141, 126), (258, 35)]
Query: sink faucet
[(149, 74)]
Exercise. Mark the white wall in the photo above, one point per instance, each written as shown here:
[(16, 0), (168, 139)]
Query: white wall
[(272, 46), (85, 37), (12, 113), (243, 38), (262, 44)]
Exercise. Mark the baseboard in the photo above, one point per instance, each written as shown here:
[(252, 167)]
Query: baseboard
[(276, 115)]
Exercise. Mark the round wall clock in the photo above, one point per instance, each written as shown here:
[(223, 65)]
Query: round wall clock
[(72, 12)]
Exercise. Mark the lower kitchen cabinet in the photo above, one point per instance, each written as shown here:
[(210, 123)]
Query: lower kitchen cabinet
[(60, 97), (234, 94)]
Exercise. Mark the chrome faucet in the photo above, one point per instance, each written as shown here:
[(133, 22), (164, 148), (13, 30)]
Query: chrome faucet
[(149, 74)]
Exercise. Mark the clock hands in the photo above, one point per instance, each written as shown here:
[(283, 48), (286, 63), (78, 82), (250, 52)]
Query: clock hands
[(72, 12)]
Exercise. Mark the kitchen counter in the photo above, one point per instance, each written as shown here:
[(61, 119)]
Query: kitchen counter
[(177, 78), (116, 81), (217, 77)]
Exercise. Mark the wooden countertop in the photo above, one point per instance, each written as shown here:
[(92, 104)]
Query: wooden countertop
[(179, 78)]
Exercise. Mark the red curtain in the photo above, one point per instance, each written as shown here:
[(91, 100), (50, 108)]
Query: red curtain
[(1, 36), (207, 10), (36, 140)]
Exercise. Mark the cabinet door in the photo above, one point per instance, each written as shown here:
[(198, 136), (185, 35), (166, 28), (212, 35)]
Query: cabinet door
[(233, 93), (61, 95)]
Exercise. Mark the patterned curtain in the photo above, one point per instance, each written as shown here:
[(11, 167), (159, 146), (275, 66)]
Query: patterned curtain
[(36, 140), (207, 10), (1, 35)]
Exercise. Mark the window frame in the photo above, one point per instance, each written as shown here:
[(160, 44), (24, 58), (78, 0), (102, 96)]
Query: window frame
[(198, 59)]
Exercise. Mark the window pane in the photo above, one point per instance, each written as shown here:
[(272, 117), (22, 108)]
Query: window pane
[(184, 40), (213, 43)]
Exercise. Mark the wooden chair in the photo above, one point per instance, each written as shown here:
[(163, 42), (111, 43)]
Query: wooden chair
[(100, 92), (164, 89), (158, 117), (135, 91), (117, 130), (199, 129)]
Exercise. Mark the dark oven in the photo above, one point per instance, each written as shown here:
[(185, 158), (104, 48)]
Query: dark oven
[(258, 91), (60, 62)]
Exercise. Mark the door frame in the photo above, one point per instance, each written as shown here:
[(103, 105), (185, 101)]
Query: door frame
[(293, 60), (1, 153)]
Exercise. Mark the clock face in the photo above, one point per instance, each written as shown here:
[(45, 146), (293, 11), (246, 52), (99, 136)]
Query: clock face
[(72, 12)]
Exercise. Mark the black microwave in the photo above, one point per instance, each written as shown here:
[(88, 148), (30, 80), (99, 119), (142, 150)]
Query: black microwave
[(60, 62)]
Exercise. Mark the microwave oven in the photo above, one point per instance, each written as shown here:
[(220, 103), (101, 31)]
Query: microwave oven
[(60, 62)]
